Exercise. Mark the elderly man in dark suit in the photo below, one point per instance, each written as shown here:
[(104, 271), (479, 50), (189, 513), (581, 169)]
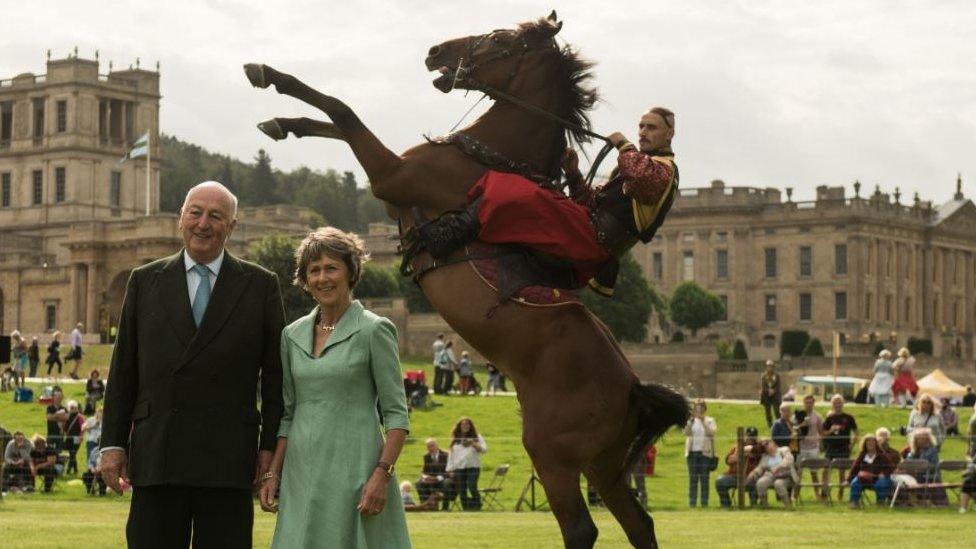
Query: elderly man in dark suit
[(434, 477), (198, 330)]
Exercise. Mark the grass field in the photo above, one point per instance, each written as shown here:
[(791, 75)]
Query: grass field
[(97, 522)]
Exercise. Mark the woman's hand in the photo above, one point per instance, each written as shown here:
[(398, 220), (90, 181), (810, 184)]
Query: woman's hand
[(266, 495), (374, 494)]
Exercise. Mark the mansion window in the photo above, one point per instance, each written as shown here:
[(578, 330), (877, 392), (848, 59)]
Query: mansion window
[(38, 106), (6, 123), (721, 236), (887, 308), (62, 116), (115, 194), (722, 264), (908, 309), (769, 303), (840, 259), (770, 257), (5, 190), (38, 186), (50, 317), (806, 306), (806, 261), (688, 266), (60, 184), (840, 305), (868, 302)]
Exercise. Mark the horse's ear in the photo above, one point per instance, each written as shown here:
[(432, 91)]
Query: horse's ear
[(552, 16), (552, 25)]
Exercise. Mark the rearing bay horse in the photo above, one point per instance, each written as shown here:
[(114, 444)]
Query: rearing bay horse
[(583, 409)]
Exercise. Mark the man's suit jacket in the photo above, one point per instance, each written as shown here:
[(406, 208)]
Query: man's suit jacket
[(182, 399), (437, 466)]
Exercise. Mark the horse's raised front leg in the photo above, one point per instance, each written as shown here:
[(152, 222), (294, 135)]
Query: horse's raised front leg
[(279, 128), (379, 162)]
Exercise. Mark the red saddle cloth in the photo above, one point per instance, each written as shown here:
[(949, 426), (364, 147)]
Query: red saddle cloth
[(488, 270)]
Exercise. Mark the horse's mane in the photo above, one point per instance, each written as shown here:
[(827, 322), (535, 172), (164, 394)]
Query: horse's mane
[(575, 74)]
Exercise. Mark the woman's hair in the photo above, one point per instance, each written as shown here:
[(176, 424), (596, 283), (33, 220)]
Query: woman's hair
[(921, 432), (334, 243), (885, 353), (37, 439), (927, 397), (883, 431), (93, 373), (457, 435), (903, 352), (15, 335), (864, 443), (56, 334), (701, 402)]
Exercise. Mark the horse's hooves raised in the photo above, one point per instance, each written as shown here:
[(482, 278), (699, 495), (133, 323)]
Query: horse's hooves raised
[(272, 129), (255, 74)]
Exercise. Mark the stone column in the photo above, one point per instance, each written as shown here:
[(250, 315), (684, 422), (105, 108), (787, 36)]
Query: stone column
[(93, 302), (79, 292)]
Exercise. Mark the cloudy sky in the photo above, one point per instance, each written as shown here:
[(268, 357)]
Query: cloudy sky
[(768, 93)]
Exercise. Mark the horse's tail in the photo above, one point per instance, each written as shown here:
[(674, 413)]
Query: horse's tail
[(658, 408)]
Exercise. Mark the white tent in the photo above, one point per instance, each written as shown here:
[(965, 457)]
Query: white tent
[(939, 385)]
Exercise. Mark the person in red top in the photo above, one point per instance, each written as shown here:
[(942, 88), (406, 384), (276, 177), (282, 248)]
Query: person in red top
[(592, 227), (753, 453), (871, 469)]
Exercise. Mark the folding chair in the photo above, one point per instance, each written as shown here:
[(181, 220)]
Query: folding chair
[(489, 494), (812, 465), (842, 466)]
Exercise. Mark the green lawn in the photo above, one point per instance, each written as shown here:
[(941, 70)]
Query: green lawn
[(100, 520)]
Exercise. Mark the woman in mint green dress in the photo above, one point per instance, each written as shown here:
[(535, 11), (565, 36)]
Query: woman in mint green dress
[(335, 468)]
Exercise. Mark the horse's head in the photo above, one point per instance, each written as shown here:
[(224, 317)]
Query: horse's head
[(492, 59)]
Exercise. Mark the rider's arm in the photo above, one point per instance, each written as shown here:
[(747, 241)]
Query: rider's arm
[(646, 179)]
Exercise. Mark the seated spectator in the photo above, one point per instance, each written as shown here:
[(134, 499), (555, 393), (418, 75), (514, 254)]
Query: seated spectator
[(753, 453), (922, 445), (884, 435), (92, 477), (782, 429), (775, 470), (430, 504), (871, 469), (44, 463), (94, 392), (926, 415), (433, 477), (950, 421), (16, 459), (464, 462), (417, 392), (968, 491)]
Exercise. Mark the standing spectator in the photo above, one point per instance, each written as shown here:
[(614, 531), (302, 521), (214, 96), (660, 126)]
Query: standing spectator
[(782, 431), (904, 388), (57, 418), (93, 431), (871, 469), (810, 432), (72, 435), (753, 453), (699, 451), (880, 388), (972, 433), (43, 463), (438, 348), (465, 374), (94, 391), (643, 466), (17, 459), (770, 392), (775, 470), (434, 476), (33, 357), (926, 415), (969, 399), (464, 462), (54, 354), (76, 353), (92, 477), (840, 431), (968, 491), (949, 419), (494, 381), (448, 364), (18, 354)]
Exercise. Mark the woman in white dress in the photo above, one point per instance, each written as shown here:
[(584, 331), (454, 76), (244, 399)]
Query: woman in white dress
[(880, 388)]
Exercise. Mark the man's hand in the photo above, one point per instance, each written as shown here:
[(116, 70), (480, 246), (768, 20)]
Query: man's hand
[(617, 139), (114, 467), (262, 466)]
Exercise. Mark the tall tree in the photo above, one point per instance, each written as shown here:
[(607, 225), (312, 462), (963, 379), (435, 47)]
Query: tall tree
[(263, 185), (693, 307), (627, 312)]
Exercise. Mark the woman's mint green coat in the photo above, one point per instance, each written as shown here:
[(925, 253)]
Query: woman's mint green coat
[(334, 434)]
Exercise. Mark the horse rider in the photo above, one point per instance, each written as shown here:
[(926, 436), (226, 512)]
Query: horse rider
[(592, 227)]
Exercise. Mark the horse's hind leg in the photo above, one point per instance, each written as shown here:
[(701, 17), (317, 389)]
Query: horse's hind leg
[(562, 487), (606, 474)]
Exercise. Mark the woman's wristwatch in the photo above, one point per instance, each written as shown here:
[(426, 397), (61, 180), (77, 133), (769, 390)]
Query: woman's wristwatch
[(387, 468)]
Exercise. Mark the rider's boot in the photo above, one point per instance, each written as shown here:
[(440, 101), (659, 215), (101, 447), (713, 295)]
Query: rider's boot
[(450, 231)]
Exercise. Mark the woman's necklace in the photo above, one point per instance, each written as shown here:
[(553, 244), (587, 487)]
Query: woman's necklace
[(328, 327)]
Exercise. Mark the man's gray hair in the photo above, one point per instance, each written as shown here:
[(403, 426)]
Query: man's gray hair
[(217, 185)]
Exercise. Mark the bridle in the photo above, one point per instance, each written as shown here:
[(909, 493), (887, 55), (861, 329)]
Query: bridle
[(462, 74)]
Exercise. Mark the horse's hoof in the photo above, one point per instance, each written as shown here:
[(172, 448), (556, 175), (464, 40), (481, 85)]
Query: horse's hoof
[(255, 74), (272, 129)]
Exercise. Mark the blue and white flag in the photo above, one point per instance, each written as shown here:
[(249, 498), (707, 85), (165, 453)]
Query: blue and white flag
[(139, 148)]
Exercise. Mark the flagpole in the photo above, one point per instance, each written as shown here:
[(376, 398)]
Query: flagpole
[(148, 166)]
